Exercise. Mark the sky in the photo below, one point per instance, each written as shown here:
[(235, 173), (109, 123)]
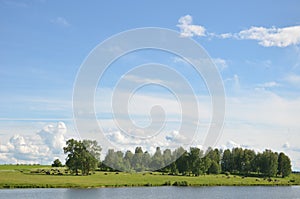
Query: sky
[(254, 44)]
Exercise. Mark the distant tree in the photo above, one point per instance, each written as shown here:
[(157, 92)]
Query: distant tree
[(269, 163), (226, 162), (182, 161), (167, 158), (194, 160), (146, 160), (57, 163), (157, 161), (109, 163), (237, 158), (214, 168), (137, 160), (284, 165), (82, 156), (128, 160), (248, 161)]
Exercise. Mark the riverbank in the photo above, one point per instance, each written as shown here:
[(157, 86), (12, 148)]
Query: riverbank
[(13, 176)]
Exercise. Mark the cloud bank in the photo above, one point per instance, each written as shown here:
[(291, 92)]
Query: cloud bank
[(41, 147), (267, 37)]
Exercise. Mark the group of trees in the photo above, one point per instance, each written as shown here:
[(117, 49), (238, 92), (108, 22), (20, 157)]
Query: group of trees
[(196, 162), (84, 156), (246, 161)]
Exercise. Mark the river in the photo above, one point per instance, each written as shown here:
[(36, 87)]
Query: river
[(156, 192)]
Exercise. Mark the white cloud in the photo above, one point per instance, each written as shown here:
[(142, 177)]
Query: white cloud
[(280, 37), (41, 146), (225, 35), (293, 79), (271, 84), (187, 28), (61, 21), (267, 37), (123, 141), (53, 136), (286, 145), (221, 63), (175, 136)]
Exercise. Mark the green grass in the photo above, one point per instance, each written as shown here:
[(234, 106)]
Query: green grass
[(13, 176)]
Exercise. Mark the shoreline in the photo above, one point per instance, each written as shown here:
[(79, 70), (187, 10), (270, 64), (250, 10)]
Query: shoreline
[(14, 177), (136, 186)]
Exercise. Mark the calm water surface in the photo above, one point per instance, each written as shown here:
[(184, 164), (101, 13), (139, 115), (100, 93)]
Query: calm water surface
[(156, 192)]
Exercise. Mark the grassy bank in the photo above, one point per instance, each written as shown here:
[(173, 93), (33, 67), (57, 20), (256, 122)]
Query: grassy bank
[(13, 176)]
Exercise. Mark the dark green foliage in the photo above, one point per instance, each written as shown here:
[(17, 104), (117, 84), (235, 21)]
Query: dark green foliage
[(57, 163), (180, 183), (284, 165), (268, 163), (226, 162), (214, 168), (83, 156), (240, 161)]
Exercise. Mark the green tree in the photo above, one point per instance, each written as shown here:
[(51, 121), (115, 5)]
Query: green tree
[(157, 161), (284, 165), (167, 158), (237, 158), (128, 160), (269, 163), (214, 168), (247, 161), (194, 160), (226, 162), (79, 158), (109, 162), (182, 161), (137, 160), (57, 163)]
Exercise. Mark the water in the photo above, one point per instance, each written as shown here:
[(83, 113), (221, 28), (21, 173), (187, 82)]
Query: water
[(156, 192)]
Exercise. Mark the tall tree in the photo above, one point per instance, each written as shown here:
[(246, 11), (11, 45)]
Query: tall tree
[(182, 161), (194, 160), (284, 165), (79, 158), (157, 161), (226, 162), (269, 163), (137, 160), (247, 161)]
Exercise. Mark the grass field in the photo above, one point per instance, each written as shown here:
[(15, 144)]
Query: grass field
[(24, 176)]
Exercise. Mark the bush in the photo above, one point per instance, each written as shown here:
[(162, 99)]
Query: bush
[(57, 163), (180, 183), (167, 183)]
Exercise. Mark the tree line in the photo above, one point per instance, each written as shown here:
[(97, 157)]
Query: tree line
[(84, 156)]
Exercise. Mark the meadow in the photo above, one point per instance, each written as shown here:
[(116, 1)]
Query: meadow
[(30, 176)]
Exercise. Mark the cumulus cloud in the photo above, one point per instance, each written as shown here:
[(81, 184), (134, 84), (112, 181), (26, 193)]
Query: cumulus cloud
[(187, 29), (175, 136), (54, 136), (41, 146), (123, 141), (267, 37), (280, 37)]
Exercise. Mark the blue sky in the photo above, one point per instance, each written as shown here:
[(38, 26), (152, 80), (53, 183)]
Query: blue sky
[(255, 45)]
